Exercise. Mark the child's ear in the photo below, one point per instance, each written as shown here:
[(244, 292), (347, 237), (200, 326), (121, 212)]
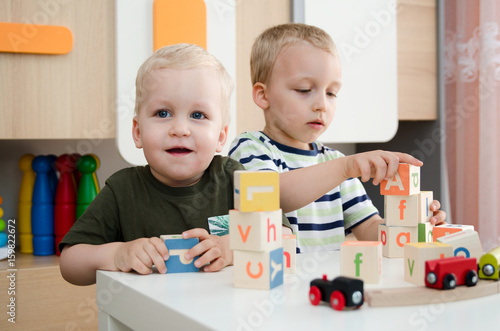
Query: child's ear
[(222, 138), (259, 95), (136, 132)]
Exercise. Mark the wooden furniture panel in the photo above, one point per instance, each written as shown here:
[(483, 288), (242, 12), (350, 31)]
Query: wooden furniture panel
[(67, 96), (417, 60), (44, 300)]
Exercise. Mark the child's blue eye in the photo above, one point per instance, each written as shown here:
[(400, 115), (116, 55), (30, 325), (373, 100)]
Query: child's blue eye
[(197, 115), (162, 113)]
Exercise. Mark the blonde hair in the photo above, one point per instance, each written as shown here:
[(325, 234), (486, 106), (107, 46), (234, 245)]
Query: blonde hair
[(268, 45), (183, 56)]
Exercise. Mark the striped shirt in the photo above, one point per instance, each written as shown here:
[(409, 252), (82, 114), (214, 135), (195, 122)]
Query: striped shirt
[(324, 222)]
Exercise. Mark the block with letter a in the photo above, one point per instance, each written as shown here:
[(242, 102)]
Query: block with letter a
[(394, 238), (405, 182)]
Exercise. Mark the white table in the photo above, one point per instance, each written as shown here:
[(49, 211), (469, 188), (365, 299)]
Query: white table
[(200, 301)]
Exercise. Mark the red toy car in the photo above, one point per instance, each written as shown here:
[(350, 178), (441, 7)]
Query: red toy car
[(447, 273), (340, 292)]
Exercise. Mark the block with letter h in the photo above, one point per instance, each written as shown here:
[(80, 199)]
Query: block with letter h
[(415, 255), (255, 230), (290, 253), (177, 248), (362, 260)]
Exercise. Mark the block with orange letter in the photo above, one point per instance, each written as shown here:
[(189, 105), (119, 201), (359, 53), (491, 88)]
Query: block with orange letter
[(445, 229), (289, 253), (255, 231), (415, 255), (464, 243), (394, 238), (405, 182), (362, 260), (258, 270), (256, 190), (401, 210)]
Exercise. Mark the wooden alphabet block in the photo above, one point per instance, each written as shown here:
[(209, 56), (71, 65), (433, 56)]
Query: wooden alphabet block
[(401, 210), (177, 248), (289, 253), (362, 260), (425, 199), (464, 243), (425, 232), (415, 255), (394, 238), (443, 230), (405, 182), (255, 231), (258, 270), (256, 191)]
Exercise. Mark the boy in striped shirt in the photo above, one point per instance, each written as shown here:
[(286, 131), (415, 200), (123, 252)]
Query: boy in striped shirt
[(296, 75)]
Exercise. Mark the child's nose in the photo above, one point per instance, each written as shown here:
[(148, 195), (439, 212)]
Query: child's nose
[(180, 128), (320, 103)]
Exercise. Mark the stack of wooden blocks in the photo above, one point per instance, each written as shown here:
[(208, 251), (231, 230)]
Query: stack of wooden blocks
[(407, 211), (255, 230)]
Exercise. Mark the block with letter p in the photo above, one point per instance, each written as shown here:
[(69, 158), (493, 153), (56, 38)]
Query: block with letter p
[(415, 255), (177, 248), (394, 238), (256, 190), (405, 182), (255, 231), (258, 270), (362, 260)]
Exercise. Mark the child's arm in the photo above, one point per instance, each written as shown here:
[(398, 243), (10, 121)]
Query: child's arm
[(368, 230), (79, 263), (315, 181)]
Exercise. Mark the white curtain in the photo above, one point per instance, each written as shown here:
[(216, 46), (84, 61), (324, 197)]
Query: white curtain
[(472, 98)]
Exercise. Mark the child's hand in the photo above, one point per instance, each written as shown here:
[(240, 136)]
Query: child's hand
[(141, 254), (439, 215), (379, 165), (211, 249)]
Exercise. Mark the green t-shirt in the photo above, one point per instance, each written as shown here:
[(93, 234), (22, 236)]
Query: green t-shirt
[(134, 204)]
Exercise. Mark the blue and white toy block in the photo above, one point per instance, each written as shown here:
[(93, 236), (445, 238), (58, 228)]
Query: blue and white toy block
[(258, 270), (177, 248)]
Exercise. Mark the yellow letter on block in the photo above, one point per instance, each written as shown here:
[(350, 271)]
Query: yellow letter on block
[(256, 191)]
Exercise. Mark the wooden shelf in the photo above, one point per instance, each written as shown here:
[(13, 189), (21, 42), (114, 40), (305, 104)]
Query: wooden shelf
[(44, 299)]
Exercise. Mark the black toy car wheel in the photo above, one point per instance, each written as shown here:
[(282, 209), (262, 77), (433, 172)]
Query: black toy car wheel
[(471, 278), (449, 282)]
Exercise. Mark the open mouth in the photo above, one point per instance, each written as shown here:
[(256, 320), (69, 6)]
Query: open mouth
[(179, 151)]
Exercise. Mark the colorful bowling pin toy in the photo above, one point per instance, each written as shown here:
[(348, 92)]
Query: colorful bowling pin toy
[(87, 191), (24, 206)]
